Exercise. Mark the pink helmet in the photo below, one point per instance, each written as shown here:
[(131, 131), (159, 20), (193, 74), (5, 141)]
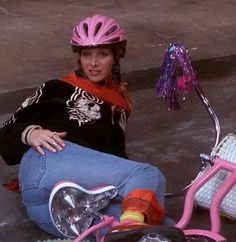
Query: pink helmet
[(98, 30)]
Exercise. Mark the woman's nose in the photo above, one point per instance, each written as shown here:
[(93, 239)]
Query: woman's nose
[(94, 61)]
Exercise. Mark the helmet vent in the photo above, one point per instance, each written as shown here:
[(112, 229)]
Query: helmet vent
[(97, 28), (75, 33), (116, 39), (111, 30), (85, 27)]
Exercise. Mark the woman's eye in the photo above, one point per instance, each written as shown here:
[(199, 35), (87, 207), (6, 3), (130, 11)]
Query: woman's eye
[(103, 53), (85, 53)]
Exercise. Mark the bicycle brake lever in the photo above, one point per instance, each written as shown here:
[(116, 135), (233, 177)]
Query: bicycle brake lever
[(207, 159)]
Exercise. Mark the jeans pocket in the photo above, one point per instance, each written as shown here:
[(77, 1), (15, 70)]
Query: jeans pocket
[(32, 168)]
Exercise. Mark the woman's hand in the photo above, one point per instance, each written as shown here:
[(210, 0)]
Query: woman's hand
[(45, 138)]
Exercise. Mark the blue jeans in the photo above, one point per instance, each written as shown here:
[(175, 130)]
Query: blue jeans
[(86, 167)]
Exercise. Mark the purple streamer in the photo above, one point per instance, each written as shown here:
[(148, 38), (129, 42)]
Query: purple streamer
[(176, 73)]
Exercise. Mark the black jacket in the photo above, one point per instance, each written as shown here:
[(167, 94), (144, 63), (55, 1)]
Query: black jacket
[(59, 106)]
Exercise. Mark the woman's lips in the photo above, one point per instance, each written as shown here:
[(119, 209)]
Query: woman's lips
[(94, 72)]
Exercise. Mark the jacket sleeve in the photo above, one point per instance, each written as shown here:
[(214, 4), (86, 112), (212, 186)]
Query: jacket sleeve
[(11, 146), (31, 112)]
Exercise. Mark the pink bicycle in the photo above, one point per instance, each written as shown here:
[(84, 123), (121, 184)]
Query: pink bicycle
[(73, 208), (82, 206)]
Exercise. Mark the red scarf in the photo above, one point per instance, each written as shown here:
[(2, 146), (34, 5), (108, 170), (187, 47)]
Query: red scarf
[(108, 93)]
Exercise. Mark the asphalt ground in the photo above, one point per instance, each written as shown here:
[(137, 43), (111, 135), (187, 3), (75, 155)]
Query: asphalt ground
[(34, 47)]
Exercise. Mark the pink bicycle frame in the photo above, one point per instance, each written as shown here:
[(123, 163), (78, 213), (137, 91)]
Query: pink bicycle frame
[(224, 188), (106, 222), (214, 233)]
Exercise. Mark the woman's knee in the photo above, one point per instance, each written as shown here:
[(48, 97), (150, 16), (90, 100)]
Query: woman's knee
[(159, 176), (145, 176), (155, 180), (153, 172)]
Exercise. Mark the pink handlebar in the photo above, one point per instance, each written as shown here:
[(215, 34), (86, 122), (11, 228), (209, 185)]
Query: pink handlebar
[(224, 188)]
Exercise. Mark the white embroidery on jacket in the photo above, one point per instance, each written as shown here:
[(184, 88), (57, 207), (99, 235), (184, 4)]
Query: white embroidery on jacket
[(123, 119), (83, 107), (34, 98)]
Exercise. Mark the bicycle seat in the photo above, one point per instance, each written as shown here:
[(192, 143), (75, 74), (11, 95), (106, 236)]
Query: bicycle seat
[(72, 208)]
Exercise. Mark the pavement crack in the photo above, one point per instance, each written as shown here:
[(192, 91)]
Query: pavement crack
[(4, 10)]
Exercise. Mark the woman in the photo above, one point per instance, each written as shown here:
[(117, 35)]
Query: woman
[(72, 129)]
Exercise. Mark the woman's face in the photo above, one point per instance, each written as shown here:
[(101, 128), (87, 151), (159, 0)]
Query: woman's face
[(97, 63)]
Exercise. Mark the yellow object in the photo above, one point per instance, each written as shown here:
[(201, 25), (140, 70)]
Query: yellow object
[(143, 201), (132, 215)]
